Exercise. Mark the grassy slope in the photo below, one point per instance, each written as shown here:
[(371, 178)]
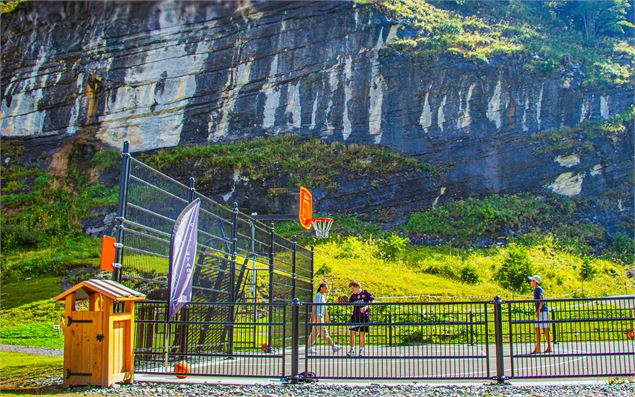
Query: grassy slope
[(437, 271)]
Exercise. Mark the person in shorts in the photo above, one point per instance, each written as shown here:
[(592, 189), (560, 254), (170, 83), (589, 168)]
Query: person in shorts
[(361, 314), (542, 314), (320, 315)]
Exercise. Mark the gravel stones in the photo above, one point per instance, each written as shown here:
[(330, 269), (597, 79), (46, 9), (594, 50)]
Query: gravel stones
[(365, 390)]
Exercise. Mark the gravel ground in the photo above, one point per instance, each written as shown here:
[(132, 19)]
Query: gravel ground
[(372, 390), (42, 351)]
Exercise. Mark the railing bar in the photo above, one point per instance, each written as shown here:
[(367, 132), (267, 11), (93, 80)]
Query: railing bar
[(144, 182)]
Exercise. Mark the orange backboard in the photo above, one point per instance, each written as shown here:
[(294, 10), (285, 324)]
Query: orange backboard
[(305, 210), (107, 253)]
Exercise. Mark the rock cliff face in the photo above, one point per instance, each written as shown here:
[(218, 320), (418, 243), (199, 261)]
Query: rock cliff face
[(163, 74)]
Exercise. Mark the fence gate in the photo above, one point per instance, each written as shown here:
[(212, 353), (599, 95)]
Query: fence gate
[(591, 337), (404, 341)]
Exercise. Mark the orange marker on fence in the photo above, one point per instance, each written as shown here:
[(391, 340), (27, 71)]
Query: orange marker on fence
[(107, 253)]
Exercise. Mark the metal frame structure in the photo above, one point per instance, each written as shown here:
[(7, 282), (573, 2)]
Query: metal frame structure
[(240, 259)]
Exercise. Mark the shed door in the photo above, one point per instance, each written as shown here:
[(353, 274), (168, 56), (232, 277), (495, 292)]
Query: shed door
[(83, 355)]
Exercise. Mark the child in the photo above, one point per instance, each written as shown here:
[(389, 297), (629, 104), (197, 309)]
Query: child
[(542, 314), (320, 315), (361, 314)]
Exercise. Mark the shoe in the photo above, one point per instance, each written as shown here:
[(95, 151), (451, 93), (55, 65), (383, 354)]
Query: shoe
[(548, 351), (351, 352), (312, 351), (361, 352), (336, 348), (535, 352)]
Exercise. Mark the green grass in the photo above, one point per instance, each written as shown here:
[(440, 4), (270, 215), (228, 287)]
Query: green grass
[(305, 161), (32, 324), (582, 138), (15, 367), (464, 221), (19, 293), (421, 271)]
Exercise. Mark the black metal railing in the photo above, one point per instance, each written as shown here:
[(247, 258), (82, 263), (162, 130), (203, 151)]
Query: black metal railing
[(587, 336), (446, 340), (419, 340)]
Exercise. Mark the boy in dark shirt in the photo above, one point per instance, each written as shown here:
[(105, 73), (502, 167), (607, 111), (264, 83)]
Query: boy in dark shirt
[(361, 314), (542, 314)]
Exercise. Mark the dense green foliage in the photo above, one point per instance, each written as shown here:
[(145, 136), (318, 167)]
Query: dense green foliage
[(467, 220), (581, 138), (41, 216), (524, 218), (304, 161), (550, 34)]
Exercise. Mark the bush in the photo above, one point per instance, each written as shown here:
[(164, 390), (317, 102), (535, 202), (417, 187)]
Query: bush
[(392, 247), (324, 270), (442, 269), (469, 275), (622, 248), (515, 269), (19, 237)]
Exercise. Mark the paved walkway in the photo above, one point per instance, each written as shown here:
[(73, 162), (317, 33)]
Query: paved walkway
[(42, 351)]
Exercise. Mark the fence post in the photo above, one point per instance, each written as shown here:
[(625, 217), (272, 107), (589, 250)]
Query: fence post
[(312, 265), (390, 326), (553, 327), (295, 337), (232, 277), (498, 332), (293, 267), (271, 264), (471, 330), (121, 213)]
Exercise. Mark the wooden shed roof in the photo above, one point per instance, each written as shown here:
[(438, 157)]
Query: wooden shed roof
[(109, 288)]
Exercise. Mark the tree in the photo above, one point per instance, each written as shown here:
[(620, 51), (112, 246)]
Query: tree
[(515, 269), (594, 18)]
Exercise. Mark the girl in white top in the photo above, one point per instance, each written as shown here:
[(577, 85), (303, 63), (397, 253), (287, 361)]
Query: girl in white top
[(320, 314)]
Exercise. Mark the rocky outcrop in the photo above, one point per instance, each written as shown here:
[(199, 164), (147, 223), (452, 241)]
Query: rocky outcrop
[(162, 74)]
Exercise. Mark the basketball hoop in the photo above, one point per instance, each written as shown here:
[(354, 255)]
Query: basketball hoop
[(322, 226)]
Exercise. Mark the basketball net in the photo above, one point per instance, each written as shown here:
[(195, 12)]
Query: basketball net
[(322, 226)]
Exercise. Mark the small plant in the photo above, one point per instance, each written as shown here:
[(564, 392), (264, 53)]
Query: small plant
[(392, 247), (324, 270), (587, 270), (469, 275), (515, 269)]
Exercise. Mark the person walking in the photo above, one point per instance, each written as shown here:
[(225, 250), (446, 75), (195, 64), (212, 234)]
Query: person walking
[(542, 314), (360, 317), (319, 316)]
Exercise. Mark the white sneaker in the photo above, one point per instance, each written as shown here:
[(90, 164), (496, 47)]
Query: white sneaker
[(361, 351), (351, 352), (336, 348), (312, 351)]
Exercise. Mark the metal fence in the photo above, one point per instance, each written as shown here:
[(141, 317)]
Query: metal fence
[(239, 259), (424, 340)]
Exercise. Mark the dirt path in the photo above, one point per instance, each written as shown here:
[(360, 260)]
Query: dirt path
[(42, 351)]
